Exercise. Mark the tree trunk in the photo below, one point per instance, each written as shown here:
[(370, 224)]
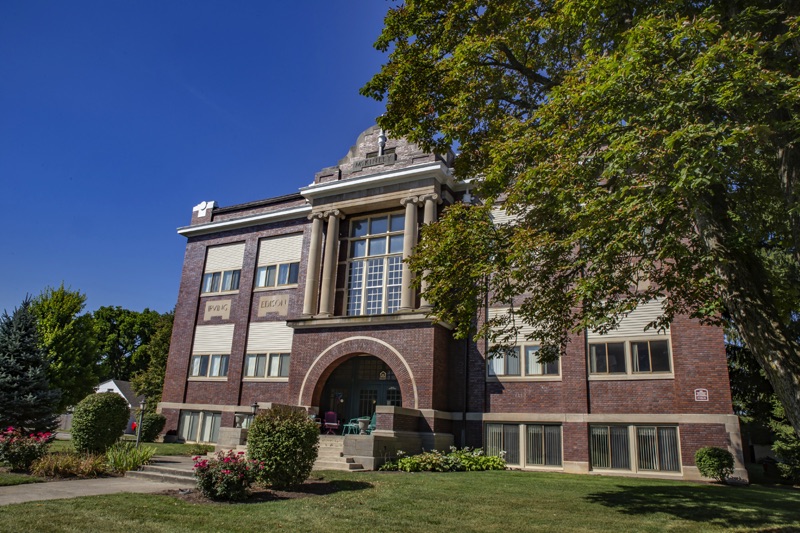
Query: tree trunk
[(749, 301)]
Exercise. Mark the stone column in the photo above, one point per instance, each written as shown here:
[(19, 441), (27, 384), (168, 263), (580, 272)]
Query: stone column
[(429, 216), (312, 274), (409, 241), (328, 292)]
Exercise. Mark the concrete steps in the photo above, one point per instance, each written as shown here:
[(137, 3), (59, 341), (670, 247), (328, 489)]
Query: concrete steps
[(330, 456), (167, 470)]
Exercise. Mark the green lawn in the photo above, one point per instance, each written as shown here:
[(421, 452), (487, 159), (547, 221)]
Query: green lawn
[(7, 478), (477, 501), (161, 448)]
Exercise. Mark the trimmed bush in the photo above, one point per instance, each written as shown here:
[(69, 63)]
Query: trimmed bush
[(69, 464), (284, 441), (714, 462), (124, 456), (152, 425), (20, 450), (226, 477), (99, 421), (466, 459)]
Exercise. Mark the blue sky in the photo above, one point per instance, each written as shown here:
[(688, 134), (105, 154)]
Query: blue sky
[(117, 117)]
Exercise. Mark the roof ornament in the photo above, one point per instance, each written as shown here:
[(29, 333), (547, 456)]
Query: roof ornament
[(381, 142)]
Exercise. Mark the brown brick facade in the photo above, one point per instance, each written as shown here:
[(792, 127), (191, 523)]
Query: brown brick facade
[(443, 383)]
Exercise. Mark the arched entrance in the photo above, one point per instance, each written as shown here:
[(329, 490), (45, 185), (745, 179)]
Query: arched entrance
[(358, 385)]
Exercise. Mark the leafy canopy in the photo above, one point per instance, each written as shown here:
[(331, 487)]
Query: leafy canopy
[(643, 150)]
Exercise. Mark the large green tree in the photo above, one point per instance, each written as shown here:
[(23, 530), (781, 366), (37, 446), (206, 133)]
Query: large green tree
[(120, 333), (150, 381), (26, 399), (645, 149), (68, 342)]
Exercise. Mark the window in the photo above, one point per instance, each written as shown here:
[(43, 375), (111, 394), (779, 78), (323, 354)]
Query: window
[(273, 365), (510, 363), (277, 275), (656, 448), (543, 445), (607, 358), (211, 366), (630, 357), (374, 279), (650, 356), (221, 281), (540, 442), (199, 426), (503, 438)]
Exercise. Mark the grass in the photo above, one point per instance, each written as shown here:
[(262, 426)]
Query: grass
[(468, 501), (8, 478), (161, 448)]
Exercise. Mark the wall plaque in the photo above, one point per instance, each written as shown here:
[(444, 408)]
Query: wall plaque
[(273, 304), (220, 308), (701, 395)]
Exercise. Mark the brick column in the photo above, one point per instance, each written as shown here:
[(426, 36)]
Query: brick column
[(327, 293), (312, 273), (409, 241)]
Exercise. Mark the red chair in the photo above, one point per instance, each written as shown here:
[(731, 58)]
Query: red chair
[(331, 424)]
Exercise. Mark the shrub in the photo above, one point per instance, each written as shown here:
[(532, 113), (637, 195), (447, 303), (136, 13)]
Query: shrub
[(466, 459), (200, 449), (99, 421), (285, 442), (124, 456), (20, 450), (152, 424), (227, 477), (69, 464), (714, 462)]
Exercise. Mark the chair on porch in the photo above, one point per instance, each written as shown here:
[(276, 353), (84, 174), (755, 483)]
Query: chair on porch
[(371, 426), (351, 428), (331, 424)]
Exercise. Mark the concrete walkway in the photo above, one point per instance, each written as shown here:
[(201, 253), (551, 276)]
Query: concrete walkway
[(56, 490)]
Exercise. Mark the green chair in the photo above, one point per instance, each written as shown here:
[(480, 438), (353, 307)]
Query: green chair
[(351, 428), (371, 426)]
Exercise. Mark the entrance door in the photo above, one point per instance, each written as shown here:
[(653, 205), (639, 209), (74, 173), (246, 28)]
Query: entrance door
[(358, 386)]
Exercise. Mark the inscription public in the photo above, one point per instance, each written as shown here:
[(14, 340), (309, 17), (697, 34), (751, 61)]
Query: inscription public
[(220, 308), (387, 159), (273, 304)]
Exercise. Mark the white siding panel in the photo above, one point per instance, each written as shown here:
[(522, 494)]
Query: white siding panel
[(499, 216), (226, 257), (213, 339), (269, 337), (633, 325), (524, 330), (284, 249)]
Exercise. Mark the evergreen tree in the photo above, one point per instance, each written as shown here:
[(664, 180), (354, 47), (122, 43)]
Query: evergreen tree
[(26, 400)]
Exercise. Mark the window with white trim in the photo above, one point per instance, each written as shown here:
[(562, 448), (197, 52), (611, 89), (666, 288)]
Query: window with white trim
[(639, 448), (375, 264), (649, 356), (227, 280), (199, 426), (209, 366), (267, 365), (277, 275), (511, 363)]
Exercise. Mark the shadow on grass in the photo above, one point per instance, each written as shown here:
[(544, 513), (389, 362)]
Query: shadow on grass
[(730, 507), (308, 489)]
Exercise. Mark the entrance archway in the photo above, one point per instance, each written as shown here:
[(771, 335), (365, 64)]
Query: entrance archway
[(358, 385)]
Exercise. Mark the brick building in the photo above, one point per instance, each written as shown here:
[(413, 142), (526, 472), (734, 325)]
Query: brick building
[(304, 300)]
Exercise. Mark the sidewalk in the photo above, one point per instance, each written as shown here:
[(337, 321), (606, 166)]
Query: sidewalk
[(55, 490)]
